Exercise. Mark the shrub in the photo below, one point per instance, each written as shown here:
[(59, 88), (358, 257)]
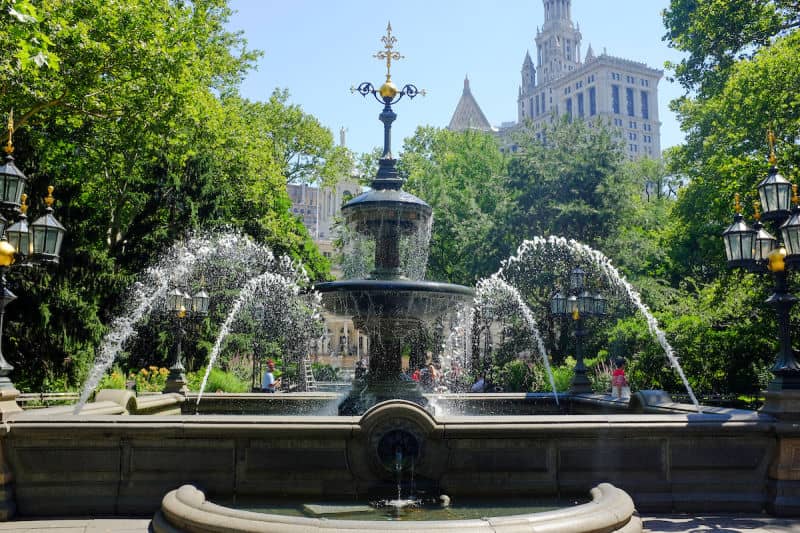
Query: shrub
[(563, 374), (218, 380), (150, 379), (323, 372), (114, 380)]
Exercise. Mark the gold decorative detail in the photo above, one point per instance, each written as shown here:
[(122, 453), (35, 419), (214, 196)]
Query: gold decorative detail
[(776, 260), (23, 206), (389, 54), (795, 198), (182, 312), (737, 206), (575, 314), (771, 140), (7, 252), (9, 149), (756, 210), (388, 90), (48, 200)]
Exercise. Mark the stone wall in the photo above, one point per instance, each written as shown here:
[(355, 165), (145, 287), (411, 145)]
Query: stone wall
[(84, 465)]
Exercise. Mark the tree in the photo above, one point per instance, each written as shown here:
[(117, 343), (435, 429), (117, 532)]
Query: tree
[(462, 176), (564, 181), (718, 34), (142, 133), (301, 145)]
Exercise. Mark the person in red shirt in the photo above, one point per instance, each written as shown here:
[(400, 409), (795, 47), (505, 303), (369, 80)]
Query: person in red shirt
[(618, 379)]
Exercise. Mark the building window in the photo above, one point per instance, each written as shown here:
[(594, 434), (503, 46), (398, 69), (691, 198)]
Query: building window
[(645, 107), (618, 122), (634, 148), (645, 83), (647, 127), (569, 108), (592, 101), (647, 138), (615, 98), (632, 125), (590, 79), (580, 104), (537, 104), (630, 79), (631, 136), (615, 76), (629, 101)]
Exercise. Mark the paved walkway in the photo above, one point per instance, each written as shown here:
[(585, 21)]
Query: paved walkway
[(653, 524)]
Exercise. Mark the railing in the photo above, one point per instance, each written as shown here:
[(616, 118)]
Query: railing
[(36, 400)]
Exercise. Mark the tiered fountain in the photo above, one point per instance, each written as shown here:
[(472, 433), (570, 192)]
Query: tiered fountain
[(669, 457), (388, 305)]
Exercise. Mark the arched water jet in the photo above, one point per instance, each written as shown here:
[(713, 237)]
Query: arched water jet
[(281, 295), (199, 256), (580, 252), (492, 293)]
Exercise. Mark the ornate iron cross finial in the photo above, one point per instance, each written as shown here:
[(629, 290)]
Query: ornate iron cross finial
[(389, 41)]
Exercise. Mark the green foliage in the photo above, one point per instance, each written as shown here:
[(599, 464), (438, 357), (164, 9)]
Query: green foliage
[(718, 33), (150, 379), (566, 181), (516, 376), (563, 374), (113, 380), (462, 176), (325, 372), (218, 381)]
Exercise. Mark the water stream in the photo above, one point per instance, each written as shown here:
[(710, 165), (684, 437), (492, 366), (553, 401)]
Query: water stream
[(573, 252), (493, 294)]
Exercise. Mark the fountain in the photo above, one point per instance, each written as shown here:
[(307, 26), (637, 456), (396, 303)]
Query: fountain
[(388, 304), (385, 444)]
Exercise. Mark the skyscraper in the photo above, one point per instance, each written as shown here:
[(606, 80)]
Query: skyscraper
[(621, 91)]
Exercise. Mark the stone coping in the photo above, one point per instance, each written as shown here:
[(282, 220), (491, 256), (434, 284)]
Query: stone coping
[(186, 510)]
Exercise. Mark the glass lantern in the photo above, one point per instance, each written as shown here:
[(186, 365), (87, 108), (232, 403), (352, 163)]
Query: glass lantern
[(739, 240)]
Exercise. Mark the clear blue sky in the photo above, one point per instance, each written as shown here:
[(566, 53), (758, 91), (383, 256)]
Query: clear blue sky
[(319, 49)]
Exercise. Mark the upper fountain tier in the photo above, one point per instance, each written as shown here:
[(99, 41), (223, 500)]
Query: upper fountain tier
[(385, 214)]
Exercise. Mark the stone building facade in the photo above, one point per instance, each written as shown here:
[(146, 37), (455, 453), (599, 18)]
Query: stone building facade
[(622, 92), (319, 208)]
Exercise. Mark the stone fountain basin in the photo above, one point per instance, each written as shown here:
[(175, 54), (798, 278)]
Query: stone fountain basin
[(186, 509), (392, 299)]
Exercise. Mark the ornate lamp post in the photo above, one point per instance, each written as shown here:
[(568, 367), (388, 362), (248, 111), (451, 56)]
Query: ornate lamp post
[(21, 244), (180, 305), (755, 249), (578, 305)]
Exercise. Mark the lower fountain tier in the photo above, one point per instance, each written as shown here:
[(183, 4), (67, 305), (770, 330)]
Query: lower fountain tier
[(371, 301)]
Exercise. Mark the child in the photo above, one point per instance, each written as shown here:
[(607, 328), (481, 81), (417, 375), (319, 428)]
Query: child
[(618, 380)]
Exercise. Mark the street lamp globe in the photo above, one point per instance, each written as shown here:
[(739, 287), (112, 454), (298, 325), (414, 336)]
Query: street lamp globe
[(790, 231), (577, 278), (175, 300), (599, 304), (775, 193), (585, 303), (19, 233), (12, 183), (558, 304), (200, 302), (739, 240), (48, 233)]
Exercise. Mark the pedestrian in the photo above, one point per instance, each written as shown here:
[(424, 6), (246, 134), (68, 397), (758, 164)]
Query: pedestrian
[(618, 379), (269, 383)]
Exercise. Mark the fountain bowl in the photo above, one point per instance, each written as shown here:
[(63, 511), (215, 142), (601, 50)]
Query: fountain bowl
[(186, 510)]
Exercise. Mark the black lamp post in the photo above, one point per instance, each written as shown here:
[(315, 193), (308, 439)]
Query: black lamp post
[(180, 305), (21, 244), (755, 249), (578, 305)]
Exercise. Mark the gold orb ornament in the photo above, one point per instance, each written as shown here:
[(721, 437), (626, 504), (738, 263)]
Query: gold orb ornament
[(7, 252), (388, 90)]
